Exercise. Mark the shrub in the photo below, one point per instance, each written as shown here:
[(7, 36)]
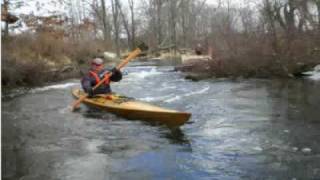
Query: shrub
[(41, 55)]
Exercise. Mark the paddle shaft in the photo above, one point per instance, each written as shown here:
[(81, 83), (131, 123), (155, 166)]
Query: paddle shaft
[(131, 56)]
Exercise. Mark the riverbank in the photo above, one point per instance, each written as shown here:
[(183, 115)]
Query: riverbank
[(32, 60), (38, 59), (246, 66)]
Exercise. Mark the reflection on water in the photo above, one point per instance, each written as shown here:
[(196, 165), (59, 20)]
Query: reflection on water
[(249, 129), (174, 135)]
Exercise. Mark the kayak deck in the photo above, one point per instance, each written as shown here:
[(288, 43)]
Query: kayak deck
[(133, 109)]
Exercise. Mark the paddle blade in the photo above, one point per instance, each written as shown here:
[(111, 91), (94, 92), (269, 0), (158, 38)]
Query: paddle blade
[(76, 104)]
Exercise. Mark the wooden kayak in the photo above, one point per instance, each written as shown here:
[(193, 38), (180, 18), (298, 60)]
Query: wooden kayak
[(133, 109)]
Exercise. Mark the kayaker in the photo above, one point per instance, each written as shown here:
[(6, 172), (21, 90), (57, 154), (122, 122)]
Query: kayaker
[(96, 73)]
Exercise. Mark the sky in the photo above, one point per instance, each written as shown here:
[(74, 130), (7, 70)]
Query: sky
[(46, 7), (39, 7), (50, 7)]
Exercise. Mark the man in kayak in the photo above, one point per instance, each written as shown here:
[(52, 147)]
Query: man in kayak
[(96, 73)]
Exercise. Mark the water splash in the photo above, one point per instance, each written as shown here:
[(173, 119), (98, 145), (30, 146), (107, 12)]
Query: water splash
[(65, 109), (143, 74), (315, 76), (177, 97), (56, 86), (151, 99)]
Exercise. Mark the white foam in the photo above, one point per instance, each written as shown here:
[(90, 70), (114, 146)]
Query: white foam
[(315, 76), (92, 146), (306, 150), (188, 94), (142, 67), (144, 74), (168, 87), (150, 99), (199, 92), (57, 86), (258, 148), (295, 149), (65, 110), (173, 99)]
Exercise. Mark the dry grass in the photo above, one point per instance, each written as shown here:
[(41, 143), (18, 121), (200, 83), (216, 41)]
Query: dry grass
[(256, 57), (30, 59)]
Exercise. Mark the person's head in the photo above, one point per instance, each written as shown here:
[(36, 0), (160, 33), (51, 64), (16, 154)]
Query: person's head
[(96, 64)]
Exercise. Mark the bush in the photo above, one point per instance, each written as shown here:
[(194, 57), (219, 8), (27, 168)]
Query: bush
[(257, 57), (32, 59), (16, 73)]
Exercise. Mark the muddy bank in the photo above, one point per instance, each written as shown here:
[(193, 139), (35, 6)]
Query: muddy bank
[(16, 73), (263, 67)]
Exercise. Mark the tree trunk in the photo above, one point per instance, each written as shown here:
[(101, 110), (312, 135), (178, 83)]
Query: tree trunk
[(318, 8), (115, 12), (133, 25), (288, 12), (125, 24), (6, 13), (106, 34), (184, 17), (269, 13), (172, 20), (159, 27)]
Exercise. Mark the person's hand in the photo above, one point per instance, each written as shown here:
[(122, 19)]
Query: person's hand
[(114, 70), (116, 75)]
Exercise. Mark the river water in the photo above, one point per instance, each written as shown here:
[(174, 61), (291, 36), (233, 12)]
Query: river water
[(240, 129)]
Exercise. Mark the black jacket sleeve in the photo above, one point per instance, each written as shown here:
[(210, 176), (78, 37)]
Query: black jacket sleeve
[(86, 84)]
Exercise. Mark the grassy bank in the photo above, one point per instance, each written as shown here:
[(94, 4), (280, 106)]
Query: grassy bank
[(33, 59)]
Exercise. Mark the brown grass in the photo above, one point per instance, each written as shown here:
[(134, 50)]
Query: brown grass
[(255, 57), (32, 59)]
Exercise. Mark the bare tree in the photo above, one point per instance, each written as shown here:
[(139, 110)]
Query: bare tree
[(133, 24), (115, 14), (125, 24), (104, 20), (317, 2), (158, 6), (172, 21), (185, 13), (5, 15)]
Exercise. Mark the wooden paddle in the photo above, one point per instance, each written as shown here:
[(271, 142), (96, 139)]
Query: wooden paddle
[(131, 56)]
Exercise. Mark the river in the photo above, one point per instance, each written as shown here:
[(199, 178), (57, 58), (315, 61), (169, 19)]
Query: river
[(240, 129)]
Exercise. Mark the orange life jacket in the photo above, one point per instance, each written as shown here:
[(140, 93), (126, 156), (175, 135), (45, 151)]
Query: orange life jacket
[(97, 78)]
